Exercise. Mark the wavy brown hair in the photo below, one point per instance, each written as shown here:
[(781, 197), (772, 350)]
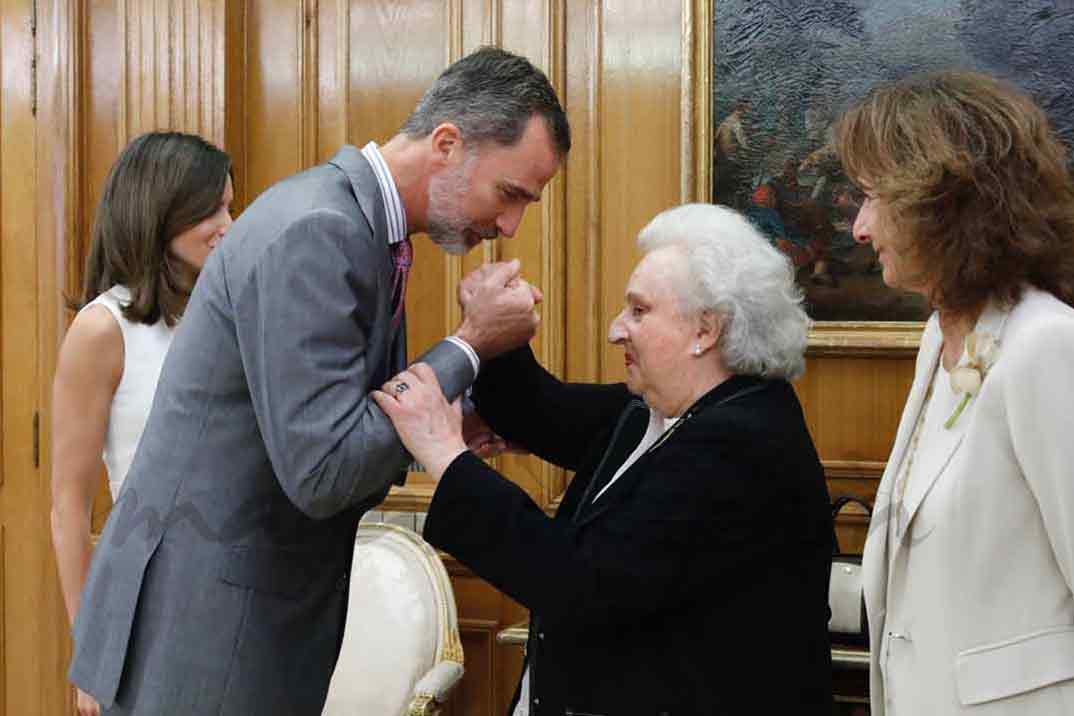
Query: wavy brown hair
[(976, 182), (162, 184)]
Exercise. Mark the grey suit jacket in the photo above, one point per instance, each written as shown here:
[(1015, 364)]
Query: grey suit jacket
[(220, 582)]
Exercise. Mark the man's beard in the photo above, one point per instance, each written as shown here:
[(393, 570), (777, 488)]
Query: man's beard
[(446, 224)]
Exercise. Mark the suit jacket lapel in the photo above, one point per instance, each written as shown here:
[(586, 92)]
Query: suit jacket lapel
[(626, 436), (929, 463), (366, 192), (592, 510), (875, 570)]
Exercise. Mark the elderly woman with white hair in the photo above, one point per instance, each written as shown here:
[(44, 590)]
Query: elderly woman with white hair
[(686, 571)]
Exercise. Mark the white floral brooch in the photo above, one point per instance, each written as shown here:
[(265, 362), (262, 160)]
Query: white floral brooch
[(981, 352)]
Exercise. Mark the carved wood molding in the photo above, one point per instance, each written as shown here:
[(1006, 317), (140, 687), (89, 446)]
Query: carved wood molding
[(3, 607), (553, 239), (408, 498), (853, 469), (308, 53), (332, 90), (172, 73), (594, 245), (75, 244), (236, 66), (484, 630), (478, 625), (455, 49)]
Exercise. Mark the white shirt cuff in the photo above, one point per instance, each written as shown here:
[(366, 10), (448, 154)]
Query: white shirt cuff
[(470, 353)]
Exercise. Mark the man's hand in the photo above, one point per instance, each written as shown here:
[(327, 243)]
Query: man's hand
[(498, 309)]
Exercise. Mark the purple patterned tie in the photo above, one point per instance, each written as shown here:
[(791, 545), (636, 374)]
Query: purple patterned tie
[(402, 258)]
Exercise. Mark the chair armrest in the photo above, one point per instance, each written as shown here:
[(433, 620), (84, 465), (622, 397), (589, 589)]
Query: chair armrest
[(433, 688)]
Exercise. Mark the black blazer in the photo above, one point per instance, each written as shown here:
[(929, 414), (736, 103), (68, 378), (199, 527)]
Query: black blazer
[(697, 584)]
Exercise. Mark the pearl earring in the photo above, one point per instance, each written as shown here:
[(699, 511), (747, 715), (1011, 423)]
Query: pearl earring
[(697, 349)]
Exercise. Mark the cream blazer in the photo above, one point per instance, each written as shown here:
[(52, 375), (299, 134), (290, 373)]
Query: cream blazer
[(989, 523)]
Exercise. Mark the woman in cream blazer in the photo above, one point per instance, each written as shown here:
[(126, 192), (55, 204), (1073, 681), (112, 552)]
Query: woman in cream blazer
[(969, 564)]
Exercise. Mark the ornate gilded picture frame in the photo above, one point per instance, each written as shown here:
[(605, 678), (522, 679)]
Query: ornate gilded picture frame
[(781, 74)]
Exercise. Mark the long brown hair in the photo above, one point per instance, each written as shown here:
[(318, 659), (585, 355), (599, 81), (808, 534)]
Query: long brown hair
[(976, 181), (162, 184)]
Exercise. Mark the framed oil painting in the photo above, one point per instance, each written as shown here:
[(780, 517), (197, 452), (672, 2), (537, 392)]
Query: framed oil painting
[(782, 73)]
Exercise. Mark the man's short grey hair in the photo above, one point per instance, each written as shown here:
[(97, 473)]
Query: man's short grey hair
[(490, 95), (737, 274)]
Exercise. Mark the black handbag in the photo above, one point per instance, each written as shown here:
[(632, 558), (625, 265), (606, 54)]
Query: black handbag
[(848, 623)]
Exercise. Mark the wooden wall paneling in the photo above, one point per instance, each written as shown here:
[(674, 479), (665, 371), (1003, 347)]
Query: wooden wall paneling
[(374, 71), (172, 73), (852, 406), (97, 69), (98, 139), (554, 257), (641, 128), (492, 670), (471, 24), (59, 161), (333, 76), (236, 84), (464, 22), (403, 47), (480, 24), (308, 50), (3, 613), (197, 67), (103, 60), (99, 112), (23, 493), (274, 93), (477, 695), (535, 30), (584, 315), (19, 492)]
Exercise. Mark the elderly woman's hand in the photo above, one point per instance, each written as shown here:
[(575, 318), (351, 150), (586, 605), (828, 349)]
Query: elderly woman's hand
[(429, 427), (86, 705)]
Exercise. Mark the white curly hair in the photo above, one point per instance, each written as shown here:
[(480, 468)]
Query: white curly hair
[(737, 274)]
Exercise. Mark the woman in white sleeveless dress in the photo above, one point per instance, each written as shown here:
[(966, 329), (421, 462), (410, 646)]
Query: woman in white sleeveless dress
[(164, 207)]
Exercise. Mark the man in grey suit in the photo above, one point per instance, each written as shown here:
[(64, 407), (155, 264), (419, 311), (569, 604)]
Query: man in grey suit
[(220, 582)]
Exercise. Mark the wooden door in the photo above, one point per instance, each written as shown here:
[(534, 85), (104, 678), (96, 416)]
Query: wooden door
[(33, 652)]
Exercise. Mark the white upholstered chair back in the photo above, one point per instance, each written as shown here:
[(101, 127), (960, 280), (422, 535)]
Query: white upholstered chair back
[(401, 653)]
